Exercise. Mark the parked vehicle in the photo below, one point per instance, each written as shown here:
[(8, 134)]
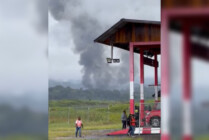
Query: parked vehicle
[(153, 115)]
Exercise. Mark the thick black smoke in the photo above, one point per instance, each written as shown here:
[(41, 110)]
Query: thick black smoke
[(84, 29)]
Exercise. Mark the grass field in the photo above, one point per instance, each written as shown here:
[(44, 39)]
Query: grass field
[(96, 115), (99, 118)]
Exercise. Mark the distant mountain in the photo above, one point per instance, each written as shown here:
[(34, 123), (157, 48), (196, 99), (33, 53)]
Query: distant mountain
[(74, 84), (60, 92), (78, 84)]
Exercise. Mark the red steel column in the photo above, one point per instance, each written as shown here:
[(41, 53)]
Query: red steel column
[(156, 79), (131, 67), (141, 87), (187, 128), (165, 105)]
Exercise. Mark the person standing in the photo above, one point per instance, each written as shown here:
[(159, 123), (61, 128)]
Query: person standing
[(78, 125), (132, 125), (124, 119)]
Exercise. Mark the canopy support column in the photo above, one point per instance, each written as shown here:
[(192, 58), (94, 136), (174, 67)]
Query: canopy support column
[(187, 132), (165, 82), (156, 79), (141, 87), (131, 70)]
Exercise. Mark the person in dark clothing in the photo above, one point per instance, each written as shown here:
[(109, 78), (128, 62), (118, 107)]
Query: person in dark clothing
[(128, 124), (124, 119)]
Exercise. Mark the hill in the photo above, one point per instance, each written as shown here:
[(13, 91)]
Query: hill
[(59, 92)]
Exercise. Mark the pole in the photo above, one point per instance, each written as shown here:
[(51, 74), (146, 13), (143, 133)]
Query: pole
[(108, 113), (187, 132), (156, 79), (68, 115), (111, 52), (141, 87), (88, 113), (131, 68), (165, 96)]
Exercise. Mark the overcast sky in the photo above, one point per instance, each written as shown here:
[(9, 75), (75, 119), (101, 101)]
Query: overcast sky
[(73, 25), (64, 59), (23, 55), (26, 27)]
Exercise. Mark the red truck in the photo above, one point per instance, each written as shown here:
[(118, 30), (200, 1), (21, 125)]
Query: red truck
[(153, 115)]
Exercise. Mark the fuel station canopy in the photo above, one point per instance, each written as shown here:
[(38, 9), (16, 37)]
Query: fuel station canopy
[(142, 37), (125, 31)]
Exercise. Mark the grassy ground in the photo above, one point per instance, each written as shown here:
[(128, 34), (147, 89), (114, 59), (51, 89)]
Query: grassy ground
[(92, 113), (96, 116), (99, 118)]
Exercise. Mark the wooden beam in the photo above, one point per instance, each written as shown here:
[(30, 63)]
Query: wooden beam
[(150, 43), (200, 51), (150, 62)]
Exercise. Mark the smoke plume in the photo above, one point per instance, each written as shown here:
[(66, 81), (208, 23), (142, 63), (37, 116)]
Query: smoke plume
[(84, 29)]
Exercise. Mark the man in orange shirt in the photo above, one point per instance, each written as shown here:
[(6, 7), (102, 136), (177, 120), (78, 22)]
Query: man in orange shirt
[(132, 125), (78, 125)]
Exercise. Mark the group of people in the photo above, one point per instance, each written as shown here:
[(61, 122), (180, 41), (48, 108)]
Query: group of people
[(128, 121)]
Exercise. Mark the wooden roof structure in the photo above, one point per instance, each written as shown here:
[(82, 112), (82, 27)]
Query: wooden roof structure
[(130, 30), (189, 13), (184, 3)]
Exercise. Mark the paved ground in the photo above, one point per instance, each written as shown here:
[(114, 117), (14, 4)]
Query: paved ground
[(101, 135)]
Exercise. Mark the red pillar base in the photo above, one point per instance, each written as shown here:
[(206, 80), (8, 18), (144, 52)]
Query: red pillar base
[(165, 137), (119, 132), (141, 113), (187, 137), (132, 106)]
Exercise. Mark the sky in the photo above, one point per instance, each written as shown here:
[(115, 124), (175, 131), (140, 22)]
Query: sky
[(27, 63), (34, 50), (23, 48), (23, 55), (73, 25)]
